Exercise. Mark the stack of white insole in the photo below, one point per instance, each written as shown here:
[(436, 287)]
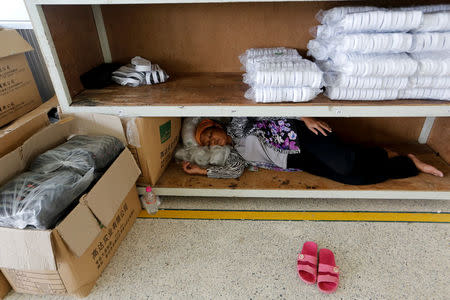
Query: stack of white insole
[(280, 75), (139, 72), (371, 53)]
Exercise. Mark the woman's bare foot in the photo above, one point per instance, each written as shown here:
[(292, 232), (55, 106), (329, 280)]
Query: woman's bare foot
[(426, 168)]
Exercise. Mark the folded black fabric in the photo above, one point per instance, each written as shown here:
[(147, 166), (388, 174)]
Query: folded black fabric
[(80, 154), (99, 77), (38, 200)]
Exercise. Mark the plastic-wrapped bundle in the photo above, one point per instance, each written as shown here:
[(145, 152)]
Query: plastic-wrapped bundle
[(372, 21), (80, 153), (252, 53), (431, 41), (252, 61), (439, 21), (284, 78), (268, 94), (428, 8), (429, 82), (432, 63), (334, 15), (140, 72), (337, 93), (361, 43), (356, 82), (39, 200), (375, 65), (425, 93), (204, 156)]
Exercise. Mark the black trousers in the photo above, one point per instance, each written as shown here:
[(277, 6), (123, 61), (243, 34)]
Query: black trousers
[(329, 157)]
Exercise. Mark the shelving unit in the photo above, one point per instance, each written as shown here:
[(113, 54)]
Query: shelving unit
[(198, 43)]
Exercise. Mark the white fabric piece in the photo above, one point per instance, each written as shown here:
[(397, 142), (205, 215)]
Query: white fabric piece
[(252, 150), (429, 82), (126, 81), (432, 63), (425, 93), (356, 82), (337, 93), (269, 95), (373, 21), (141, 64), (430, 41), (374, 65), (439, 21)]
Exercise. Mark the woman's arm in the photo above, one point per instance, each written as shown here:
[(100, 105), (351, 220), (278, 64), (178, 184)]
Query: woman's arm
[(233, 168), (316, 125)]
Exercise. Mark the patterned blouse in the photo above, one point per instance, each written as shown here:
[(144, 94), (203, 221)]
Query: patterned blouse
[(279, 134)]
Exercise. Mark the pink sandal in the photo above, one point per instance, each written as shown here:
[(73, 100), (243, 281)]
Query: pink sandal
[(307, 263), (328, 279)]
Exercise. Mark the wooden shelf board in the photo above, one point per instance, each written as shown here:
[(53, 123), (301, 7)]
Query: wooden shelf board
[(205, 89), (272, 183), (223, 93)]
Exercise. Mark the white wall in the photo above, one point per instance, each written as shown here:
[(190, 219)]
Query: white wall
[(13, 14)]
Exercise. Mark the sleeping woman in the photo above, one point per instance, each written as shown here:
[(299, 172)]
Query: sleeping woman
[(306, 144)]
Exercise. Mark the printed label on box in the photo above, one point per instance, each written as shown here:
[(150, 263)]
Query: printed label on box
[(45, 282), (165, 131)]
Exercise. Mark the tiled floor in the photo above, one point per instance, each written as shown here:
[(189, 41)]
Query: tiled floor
[(214, 259)]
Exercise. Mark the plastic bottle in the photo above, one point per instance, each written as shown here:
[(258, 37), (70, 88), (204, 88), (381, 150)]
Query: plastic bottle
[(150, 201)]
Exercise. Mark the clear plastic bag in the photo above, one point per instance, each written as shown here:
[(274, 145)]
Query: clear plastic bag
[(428, 8), (439, 21), (284, 79), (431, 41), (372, 21), (40, 200), (441, 82), (336, 14), (80, 154), (425, 93), (337, 93), (362, 43), (432, 63), (269, 94), (357, 82), (204, 156), (375, 65)]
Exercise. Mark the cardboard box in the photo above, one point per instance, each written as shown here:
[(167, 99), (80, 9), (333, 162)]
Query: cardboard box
[(154, 141), (14, 134), (5, 287), (18, 91), (70, 258)]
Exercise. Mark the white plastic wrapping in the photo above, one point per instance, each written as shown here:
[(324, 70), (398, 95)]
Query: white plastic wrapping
[(336, 14), (431, 41), (441, 82), (336, 93), (204, 156), (80, 154), (432, 63), (428, 8), (363, 43), (254, 53), (284, 78), (425, 93), (269, 94), (374, 65), (132, 132), (356, 82), (39, 200), (188, 131), (439, 21), (372, 21)]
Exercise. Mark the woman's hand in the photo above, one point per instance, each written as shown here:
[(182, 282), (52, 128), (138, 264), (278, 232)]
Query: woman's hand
[(193, 169), (316, 125)]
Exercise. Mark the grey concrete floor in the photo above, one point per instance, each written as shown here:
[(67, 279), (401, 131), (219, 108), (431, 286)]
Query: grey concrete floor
[(211, 259)]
